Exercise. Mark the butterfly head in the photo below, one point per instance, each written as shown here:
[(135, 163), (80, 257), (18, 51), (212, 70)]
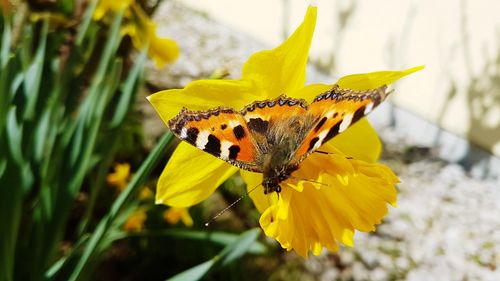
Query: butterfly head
[(274, 177)]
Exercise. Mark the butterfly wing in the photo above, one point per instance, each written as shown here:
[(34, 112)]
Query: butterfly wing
[(336, 110), (221, 132)]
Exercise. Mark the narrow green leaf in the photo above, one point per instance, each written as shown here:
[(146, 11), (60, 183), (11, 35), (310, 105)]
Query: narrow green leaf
[(107, 57), (14, 136), (84, 25), (229, 254), (194, 273), (239, 247), (41, 134), (129, 90), (16, 83), (3, 164), (221, 238), (33, 75), (6, 41)]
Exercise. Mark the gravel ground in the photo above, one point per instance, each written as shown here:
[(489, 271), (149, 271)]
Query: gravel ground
[(446, 225)]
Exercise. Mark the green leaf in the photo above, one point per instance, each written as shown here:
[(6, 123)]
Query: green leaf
[(194, 273), (129, 89), (3, 165), (229, 254), (84, 25), (221, 238), (14, 136), (33, 75), (41, 135), (241, 246), (51, 272), (6, 41)]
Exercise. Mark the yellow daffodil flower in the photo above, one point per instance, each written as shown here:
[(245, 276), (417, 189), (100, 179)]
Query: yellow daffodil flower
[(135, 221), (175, 214), (145, 193), (141, 29), (119, 178), (110, 6), (347, 193)]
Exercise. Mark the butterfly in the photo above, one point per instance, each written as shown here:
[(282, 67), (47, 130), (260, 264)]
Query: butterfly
[(274, 136)]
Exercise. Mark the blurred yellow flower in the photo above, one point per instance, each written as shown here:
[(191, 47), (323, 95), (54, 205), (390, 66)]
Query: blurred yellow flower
[(119, 178), (112, 6), (135, 221), (145, 193), (351, 192), (141, 29), (174, 214)]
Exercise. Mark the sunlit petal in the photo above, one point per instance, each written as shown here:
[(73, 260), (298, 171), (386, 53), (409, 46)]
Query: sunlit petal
[(360, 141), (256, 191), (374, 80), (283, 70), (203, 95), (175, 214), (190, 177), (309, 92)]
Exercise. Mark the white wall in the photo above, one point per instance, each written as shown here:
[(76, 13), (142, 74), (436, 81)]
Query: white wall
[(458, 41)]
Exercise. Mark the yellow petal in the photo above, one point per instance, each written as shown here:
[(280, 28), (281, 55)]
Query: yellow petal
[(203, 95), (309, 92), (256, 191), (282, 70), (162, 50), (135, 221), (360, 141), (113, 6), (325, 216), (174, 214), (190, 177), (119, 178), (374, 80), (142, 31)]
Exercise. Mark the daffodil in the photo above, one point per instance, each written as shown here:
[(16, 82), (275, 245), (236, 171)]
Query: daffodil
[(141, 29), (135, 221), (119, 178), (175, 214), (145, 193), (330, 195)]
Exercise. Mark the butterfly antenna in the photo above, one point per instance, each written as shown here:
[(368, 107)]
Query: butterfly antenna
[(230, 206), (324, 152)]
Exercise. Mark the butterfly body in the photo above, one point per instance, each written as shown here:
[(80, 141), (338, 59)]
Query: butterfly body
[(273, 136)]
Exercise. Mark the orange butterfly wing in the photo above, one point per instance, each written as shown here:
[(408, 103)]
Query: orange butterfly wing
[(221, 132), (335, 111)]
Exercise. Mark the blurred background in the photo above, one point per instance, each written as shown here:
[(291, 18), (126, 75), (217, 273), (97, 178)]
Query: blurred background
[(81, 148)]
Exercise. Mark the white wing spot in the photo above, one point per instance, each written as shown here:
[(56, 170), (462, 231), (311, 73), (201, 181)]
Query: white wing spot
[(346, 122), (183, 135), (368, 108), (224, 149), (233, 124), (321, 137), (330, 113), (202, 139), (252, 115)]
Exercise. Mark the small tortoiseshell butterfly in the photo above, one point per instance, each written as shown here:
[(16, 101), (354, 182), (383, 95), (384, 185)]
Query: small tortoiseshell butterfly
[(273, 136)]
